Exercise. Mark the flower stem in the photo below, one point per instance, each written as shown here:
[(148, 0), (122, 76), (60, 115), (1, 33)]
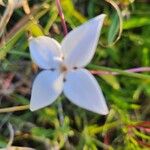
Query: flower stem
[(61, 17), (13, 109)]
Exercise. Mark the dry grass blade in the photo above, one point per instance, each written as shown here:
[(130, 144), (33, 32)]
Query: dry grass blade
[(17, 148), (2, 3), (11, 130), (12, 4), (7, 14), (13, 109)]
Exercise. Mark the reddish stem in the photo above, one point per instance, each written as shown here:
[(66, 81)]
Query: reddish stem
[(143, 143), (140, 69), (142, 125), (106, 138), (61, 17)]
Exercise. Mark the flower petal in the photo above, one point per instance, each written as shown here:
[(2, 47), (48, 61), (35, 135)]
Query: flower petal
[(46, 88), (80, 44), (82, 89), (45, 51)]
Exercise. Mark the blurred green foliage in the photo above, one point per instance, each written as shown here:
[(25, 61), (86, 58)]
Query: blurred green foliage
[(127, 94)]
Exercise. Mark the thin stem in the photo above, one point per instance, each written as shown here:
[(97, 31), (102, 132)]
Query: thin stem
[(140, 69), (61, 17), (60, 108), (60, 112), (13, 109), (11, 130), (113, 71)]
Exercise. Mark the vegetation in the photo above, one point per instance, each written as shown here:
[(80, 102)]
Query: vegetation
[(121, 67)]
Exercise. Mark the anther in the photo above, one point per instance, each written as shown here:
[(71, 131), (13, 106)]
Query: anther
[(52, 69), (75, 68), (64, 80)]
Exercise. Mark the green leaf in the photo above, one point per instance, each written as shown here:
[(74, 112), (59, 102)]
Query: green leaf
[(72, 16), (136, 22), (113, 29), (34, 28), (111, 80)]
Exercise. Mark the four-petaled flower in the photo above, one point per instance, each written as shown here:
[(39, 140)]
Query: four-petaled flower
[(64, 68)]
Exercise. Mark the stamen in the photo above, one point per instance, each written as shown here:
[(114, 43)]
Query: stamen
[(75, 68), (52, 69), (64, 80)]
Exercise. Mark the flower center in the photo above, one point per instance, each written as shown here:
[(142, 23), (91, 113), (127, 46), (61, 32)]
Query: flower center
[(63, 68)]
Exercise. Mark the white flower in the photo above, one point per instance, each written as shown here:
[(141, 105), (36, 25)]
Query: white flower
[(64, 70)]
